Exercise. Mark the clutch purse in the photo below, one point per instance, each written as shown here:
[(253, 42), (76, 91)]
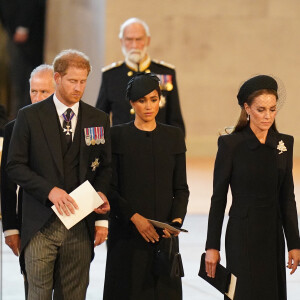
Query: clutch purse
[(224, 280), (168, 263)]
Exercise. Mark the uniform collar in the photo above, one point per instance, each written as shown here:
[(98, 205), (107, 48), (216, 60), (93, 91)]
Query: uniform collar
[(138, 67), (253, 141)]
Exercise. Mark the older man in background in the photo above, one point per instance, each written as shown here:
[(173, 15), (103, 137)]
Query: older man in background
[(135, 40), (42, 85)]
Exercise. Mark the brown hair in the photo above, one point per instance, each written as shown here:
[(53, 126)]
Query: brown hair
[(70, 58), (242, 121)]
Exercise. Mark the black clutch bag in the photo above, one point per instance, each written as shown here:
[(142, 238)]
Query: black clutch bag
[(168, 262), (222, 278)]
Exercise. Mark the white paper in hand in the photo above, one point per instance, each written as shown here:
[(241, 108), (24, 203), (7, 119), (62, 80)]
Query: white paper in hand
[(87, 200)]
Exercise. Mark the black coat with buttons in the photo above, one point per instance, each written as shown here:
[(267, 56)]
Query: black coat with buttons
[(263, 211), (149, 178)]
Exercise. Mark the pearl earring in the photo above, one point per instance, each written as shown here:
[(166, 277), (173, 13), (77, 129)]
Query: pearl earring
[(248, 118)]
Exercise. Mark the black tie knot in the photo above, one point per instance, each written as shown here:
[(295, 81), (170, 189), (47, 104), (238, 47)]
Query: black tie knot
[(68, 114)]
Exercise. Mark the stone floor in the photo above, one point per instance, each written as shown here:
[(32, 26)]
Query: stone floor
[(192, 245), (199, 173)]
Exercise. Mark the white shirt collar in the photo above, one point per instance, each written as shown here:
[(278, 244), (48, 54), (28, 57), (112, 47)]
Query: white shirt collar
[(61, 108)]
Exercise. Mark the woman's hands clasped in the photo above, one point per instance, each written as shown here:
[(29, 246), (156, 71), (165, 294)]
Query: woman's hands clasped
[(145, 228), (211, 259)]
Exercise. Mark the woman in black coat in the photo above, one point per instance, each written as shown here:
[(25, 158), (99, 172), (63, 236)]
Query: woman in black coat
[(149, 182), (256, 161)]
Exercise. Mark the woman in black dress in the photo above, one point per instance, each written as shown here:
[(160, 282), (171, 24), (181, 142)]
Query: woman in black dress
[(149, 182), (256, 161)]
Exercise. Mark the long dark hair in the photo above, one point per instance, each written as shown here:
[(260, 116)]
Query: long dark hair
[(242, 121)]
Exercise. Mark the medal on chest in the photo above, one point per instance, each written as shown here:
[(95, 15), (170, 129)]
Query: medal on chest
[(68, 130), (94, 136)]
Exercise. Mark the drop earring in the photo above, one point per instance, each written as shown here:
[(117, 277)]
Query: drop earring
[(248, 118)]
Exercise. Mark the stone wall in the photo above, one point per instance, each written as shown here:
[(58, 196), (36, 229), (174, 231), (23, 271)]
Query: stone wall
[(78, 24), (215, 46)]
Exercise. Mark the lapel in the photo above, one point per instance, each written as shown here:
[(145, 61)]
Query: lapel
[(84, 149), (48, 118), (254, 143)]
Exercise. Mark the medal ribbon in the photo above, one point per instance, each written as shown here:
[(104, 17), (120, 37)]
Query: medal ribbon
[(72, 114), (101, 133)]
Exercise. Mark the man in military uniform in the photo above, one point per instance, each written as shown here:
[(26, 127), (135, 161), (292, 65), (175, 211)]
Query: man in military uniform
[(135, 39)]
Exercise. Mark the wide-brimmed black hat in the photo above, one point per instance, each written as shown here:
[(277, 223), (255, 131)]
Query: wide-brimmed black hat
[(260, 82), (141, 85)]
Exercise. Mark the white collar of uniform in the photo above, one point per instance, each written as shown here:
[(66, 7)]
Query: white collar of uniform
[(143, 66), (61, 108)]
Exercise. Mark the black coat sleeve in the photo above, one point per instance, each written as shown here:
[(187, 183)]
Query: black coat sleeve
[(103, 178), (10, 219), (222, 174), (119, 204), (18, 163), (103, 101), (288, 204), (180, 186)]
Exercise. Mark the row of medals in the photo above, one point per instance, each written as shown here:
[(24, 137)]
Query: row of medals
[(93, 142)]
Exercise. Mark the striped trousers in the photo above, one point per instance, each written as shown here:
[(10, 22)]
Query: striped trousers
[(57, 262)]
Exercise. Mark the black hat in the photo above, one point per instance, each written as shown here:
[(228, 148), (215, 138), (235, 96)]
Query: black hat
[(141, 85), (260, 82)]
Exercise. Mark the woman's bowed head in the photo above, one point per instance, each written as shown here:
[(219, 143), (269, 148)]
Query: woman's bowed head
[(258, 99), (143, 93)]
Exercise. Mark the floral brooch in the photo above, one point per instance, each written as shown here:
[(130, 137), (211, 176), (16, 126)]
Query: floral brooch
[(281, 147)]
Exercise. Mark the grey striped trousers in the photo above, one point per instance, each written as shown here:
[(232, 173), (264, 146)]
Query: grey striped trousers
[(57, 261)]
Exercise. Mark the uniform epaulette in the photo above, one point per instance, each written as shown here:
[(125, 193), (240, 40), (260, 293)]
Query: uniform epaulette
[(113, 65), (163, 63)]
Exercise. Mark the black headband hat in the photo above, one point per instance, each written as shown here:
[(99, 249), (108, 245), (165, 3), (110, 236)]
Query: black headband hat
[(260, 82), (141, 85)]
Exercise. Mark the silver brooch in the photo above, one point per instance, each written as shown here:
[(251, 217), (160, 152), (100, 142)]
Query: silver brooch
[(281, 147)]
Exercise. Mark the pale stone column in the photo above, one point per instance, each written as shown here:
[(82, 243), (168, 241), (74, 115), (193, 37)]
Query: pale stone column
[(78, 24)]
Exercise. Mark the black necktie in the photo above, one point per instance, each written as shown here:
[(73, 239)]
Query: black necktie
[(67, 126)]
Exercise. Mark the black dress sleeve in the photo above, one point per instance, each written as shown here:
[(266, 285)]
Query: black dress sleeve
[(180, 186), (222, 174), (120, 207), (288, 204)]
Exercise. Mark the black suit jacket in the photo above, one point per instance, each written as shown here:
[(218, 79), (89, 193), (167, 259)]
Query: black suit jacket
[(11, 205), (35, 161)]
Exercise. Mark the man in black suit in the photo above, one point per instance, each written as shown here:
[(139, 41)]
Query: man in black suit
[(42, 85), (135, 39), (56, 145), (24, 22)]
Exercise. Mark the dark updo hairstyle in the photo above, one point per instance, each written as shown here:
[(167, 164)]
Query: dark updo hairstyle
[(141, 85), (250, 89)]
